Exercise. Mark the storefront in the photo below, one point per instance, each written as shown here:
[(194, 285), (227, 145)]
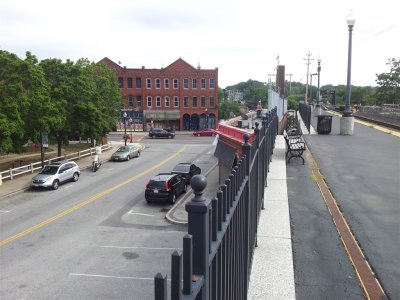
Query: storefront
[(169, 120)]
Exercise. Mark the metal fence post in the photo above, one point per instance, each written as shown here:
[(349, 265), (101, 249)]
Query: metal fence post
[(198, 226), (246, 147)]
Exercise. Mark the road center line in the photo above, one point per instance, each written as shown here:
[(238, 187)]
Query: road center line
[(87, 201)]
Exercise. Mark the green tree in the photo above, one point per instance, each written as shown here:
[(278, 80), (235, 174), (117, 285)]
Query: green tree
[(253, 91), (388, 84), (11, 99), (26, 108), (226, 107)]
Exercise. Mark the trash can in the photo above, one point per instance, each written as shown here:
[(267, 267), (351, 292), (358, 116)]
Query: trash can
[(324, 125)]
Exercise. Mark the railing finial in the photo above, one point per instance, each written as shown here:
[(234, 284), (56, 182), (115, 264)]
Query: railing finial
[(246, 138), (198, 184)]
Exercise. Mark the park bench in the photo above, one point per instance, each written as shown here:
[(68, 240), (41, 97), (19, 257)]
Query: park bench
[(295, 146)]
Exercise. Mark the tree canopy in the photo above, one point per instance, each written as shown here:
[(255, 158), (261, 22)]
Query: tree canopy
[(64, 99)]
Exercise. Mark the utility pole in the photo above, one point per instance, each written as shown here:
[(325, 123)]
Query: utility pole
[(308, 71), (269, 80)]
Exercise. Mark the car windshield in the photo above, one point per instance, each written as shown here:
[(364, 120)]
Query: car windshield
[(181, 168), (123, 149), (50, 170)]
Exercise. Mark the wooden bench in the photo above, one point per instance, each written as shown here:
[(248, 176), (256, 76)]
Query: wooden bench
[(295, 147)]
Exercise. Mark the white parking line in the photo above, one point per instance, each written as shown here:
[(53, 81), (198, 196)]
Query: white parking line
[(109, 276), (144, 248), (4, 211), (131, 212)]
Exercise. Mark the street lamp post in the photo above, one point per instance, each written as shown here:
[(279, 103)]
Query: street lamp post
[(125, 115), (347, 120), (318, 106), (130, 125), (206, 118)]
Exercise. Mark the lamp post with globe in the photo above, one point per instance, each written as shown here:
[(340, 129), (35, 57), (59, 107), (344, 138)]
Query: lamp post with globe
[(347, 119)]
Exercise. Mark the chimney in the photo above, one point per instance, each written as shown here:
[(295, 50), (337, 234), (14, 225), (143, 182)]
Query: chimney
[(280, 80)]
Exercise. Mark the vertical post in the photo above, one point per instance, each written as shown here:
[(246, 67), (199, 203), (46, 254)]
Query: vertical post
[(246, 147), (160, 287), (198, 223), (347, 120)]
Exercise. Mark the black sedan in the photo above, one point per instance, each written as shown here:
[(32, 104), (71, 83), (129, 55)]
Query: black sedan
[(187, 171)]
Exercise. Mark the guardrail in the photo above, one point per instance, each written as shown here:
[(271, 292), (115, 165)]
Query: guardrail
[(30, 168), (222, 232)]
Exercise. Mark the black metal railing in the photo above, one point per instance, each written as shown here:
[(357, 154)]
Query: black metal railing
[(305, 113), (218, 249)]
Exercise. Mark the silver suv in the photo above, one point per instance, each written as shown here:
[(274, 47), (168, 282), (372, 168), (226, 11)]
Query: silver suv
[(56, 173)]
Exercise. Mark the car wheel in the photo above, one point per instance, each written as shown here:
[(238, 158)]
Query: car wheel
[(55, 184), (170, 136), (75, 177), (184, 189), (148, 201), (152, 137), (198, 134), (213, 134), (128, 158), (138, 154), (173, 199)]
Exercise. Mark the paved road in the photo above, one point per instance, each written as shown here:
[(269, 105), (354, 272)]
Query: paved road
[(96, 238), (363, 173)]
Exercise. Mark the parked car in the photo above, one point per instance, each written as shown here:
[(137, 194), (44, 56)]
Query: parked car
[(125, 153), (54, 174), (165, 187), (205, 132), (187, 171), (161, 133)]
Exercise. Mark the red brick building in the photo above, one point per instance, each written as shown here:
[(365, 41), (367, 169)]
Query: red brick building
[(179, 96)]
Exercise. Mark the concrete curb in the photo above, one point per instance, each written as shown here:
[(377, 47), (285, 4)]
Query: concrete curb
[(170, 214)]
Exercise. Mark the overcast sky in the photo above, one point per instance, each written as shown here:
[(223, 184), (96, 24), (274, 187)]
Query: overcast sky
[(241, 38)]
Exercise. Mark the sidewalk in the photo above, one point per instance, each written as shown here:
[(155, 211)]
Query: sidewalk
[(272, 275), (23, 182)]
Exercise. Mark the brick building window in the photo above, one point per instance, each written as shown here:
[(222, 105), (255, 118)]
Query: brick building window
[(212, 83), (139, 100), (148, 83), (149, 101), (166, 83), (212, 101), (158, 101), (130, 100), (176, 101), (194, 101), (185, 83), (176, 84), (138, 82), (203, 101), (166, 101), (130, 83), (194, 83), (158, 83), (121, 82), (186, 101), (203, 83)]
